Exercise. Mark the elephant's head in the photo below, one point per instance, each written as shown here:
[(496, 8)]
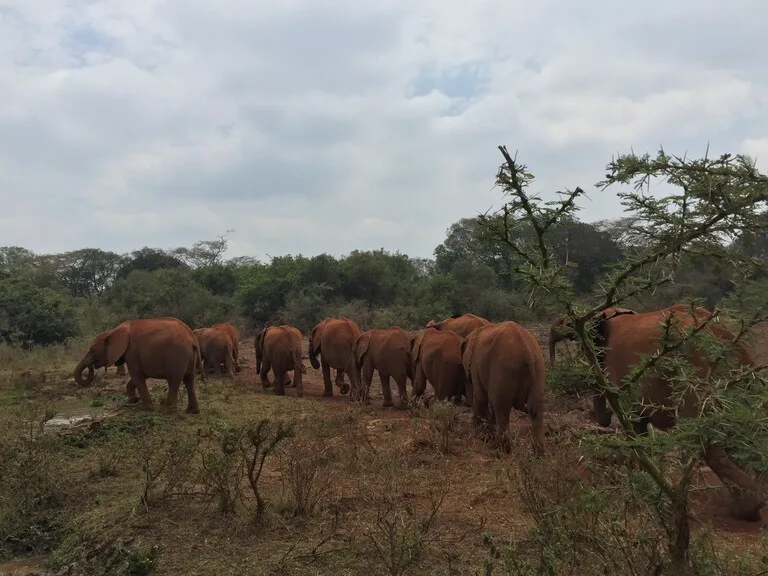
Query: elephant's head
[(361, 347), (106, 349), (603, 413), (258, 347), (558, 331), (314, 344)]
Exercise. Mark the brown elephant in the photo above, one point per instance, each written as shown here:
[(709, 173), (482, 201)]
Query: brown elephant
[(216, 349), (461, 324), (387, 351), (279, 348), (334, 340), (626, 335), (436, 358), (163, 348), (234, 334), (504, 366)]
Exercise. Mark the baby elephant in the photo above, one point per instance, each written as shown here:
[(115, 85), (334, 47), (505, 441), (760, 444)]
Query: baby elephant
[(279, 348), (217, 349), (505, 369)]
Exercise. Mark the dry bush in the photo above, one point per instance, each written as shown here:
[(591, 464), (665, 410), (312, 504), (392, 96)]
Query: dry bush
[(307, 468), (435, 426), (391, 528)]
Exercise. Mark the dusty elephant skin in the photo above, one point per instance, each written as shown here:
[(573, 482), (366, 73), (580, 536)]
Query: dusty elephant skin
[(436, 358), (216, 349), (627, 335), (388, 352), (279, 348), (505, 369), (461, 324), (163, 348), (333, 339), (234, 334)]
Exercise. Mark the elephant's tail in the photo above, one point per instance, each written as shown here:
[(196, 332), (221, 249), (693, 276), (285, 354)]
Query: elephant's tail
[(297, 361)]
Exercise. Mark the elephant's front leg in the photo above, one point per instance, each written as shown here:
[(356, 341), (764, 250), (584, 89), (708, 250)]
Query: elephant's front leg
[(356, 387), (367, 378), (402, 391), (748, 495), (130, 391), (327, 386), (141, 386)]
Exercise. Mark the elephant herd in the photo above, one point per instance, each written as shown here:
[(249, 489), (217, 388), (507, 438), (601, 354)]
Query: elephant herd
[(492, 367)]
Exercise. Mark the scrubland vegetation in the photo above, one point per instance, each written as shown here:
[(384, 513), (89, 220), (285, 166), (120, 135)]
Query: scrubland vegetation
[(259, 484)]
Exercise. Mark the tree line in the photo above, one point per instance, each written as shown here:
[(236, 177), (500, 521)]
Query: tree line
[(47, 298)]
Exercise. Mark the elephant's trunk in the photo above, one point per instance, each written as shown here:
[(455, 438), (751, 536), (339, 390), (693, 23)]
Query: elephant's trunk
[(78, 374), (552, 342)]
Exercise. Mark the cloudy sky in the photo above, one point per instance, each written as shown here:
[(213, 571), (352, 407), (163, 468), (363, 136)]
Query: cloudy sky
[(314, 126)]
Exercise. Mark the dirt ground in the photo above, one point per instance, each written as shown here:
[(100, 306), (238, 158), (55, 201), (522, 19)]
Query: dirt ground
[(563, 416)]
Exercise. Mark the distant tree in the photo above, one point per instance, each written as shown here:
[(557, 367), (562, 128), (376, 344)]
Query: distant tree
[(87, 272)]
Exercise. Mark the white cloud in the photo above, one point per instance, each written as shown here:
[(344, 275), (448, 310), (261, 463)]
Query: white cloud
[(327, 127)]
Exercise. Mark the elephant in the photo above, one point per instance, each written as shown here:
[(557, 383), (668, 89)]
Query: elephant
[(280, 348), (436, 358), (334, 340), (234, 334), (558, 331), (216, 349), (387, 351), (626, 335), (162, 347), (504, 367), (461, 324)]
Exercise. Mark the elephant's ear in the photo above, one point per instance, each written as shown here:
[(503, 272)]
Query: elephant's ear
[(614, 311), (602, 328), (361, 346), (259, 343), (467, 349), (416, 342), (315, 335), (116, 343)]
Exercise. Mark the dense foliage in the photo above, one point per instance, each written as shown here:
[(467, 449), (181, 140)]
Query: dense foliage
[(45, 298)]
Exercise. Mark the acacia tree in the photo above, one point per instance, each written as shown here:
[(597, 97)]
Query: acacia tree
[(715, 202)]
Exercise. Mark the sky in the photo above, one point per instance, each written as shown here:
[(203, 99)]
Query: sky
[(311, 126)]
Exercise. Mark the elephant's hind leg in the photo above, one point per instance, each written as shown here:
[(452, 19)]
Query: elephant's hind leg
[(327, 386), (480, 412), (189, 383), (173, 394), (263, 375), (386, 389), (299, 382)]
